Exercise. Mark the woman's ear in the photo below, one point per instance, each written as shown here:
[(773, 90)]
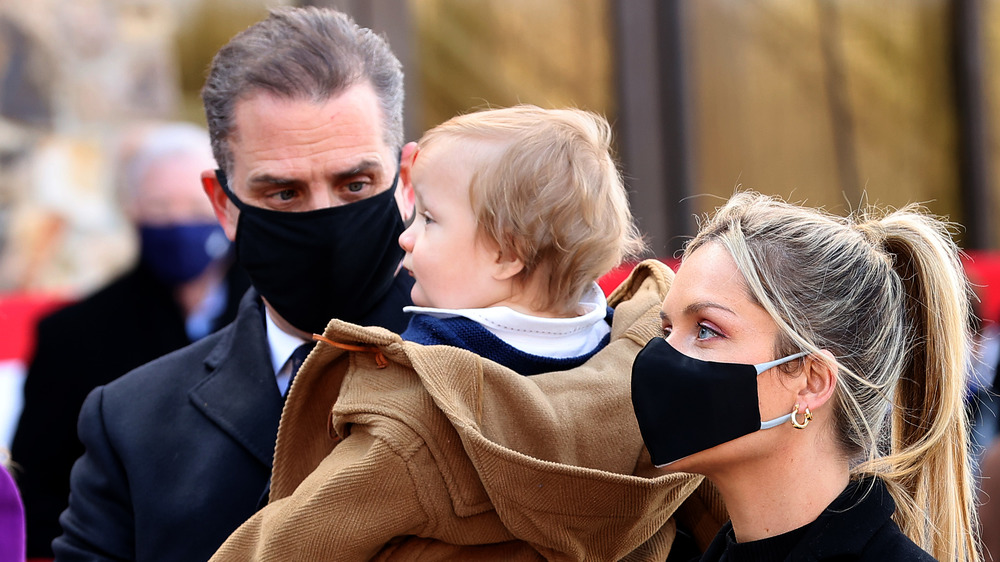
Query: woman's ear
[(820, 372)]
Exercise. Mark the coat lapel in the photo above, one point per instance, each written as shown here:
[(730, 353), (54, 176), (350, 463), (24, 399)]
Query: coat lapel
[(240, 395)]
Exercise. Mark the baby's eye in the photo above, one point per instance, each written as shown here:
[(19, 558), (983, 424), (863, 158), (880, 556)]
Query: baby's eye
[(704, 332), (427, 217)]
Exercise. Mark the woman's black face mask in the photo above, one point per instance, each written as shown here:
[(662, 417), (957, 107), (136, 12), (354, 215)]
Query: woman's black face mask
[(685, 405), (313, 266)]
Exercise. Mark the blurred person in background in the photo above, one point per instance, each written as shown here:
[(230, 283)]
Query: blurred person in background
[(11, 514), (988, 502), (305, 113), (182, 287)]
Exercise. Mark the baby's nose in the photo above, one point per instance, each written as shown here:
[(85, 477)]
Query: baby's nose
[(406, 239)]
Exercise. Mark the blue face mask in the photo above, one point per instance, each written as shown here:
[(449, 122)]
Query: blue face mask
[(178, 253)]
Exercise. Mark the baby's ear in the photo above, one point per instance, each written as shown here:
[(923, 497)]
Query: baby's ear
[(507, 266)]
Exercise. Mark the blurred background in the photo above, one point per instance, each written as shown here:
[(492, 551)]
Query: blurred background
[(836, 103), (831, 102)]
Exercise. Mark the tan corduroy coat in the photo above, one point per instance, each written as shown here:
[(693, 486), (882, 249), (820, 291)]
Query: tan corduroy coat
[(402, 451)]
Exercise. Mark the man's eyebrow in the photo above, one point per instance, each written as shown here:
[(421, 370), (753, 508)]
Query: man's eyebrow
[(272, 180), (363, 167)]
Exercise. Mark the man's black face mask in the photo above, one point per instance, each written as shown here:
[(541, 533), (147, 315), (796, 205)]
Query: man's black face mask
[(313, 266)]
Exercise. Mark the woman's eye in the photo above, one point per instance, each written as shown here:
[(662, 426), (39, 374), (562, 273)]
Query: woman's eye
[(356, 186), (666, 331), (704, 332)]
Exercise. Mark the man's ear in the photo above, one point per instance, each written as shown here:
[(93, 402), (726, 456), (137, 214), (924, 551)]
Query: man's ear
[(225, 211), (404, 191), (820, 372)]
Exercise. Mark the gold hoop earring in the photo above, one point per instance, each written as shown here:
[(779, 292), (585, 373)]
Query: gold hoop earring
[(805, 419)]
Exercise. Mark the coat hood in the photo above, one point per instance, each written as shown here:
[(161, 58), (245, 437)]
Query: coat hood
[(552, 463)]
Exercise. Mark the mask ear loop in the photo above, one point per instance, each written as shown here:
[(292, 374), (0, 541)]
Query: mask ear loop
[(775, 422), (770, 364), (765, 366)]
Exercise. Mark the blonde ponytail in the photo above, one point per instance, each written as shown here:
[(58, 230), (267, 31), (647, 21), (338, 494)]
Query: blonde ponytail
[(929, 433)]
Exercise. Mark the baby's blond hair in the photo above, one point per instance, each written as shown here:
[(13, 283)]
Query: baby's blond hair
[(550, 194)]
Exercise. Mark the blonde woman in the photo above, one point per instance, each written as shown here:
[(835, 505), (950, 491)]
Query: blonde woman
[(813, 368)]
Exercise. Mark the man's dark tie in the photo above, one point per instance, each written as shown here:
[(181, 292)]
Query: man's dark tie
[(299, 357)]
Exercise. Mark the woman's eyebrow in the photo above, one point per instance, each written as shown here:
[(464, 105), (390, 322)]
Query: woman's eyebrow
[(702, 305), (697, 307)]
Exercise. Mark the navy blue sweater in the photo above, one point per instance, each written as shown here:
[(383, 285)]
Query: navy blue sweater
[(468, 334)]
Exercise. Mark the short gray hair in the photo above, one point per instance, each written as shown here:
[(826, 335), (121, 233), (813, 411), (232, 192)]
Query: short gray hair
[(301, 53), (150, 144)]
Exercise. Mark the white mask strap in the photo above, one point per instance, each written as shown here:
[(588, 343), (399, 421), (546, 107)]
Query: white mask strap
[(765, 366), (775, 422)]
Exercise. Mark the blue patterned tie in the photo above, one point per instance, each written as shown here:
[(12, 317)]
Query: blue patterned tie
[(298, 357)]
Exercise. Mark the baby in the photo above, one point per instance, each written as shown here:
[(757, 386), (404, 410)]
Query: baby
[(518, 212)]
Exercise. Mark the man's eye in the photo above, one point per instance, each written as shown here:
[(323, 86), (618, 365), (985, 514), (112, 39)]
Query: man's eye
[(285, 194), (356, 186)]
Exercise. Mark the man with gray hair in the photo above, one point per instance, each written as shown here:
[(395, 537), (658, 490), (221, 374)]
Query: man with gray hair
[(305, 113)]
